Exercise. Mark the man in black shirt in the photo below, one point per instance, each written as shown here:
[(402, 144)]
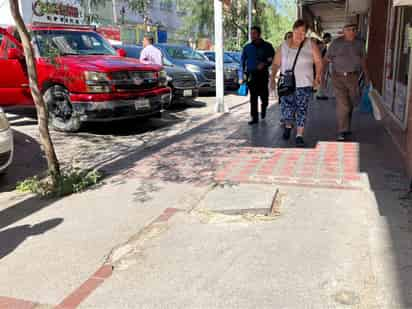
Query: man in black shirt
[(257, 57)]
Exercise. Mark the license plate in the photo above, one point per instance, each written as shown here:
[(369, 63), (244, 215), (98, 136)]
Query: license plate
[(187, 93), (142, 104)]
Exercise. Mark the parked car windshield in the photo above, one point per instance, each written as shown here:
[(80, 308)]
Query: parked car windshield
[(184, 53), (212, 57), (236, 56), (64, 42)]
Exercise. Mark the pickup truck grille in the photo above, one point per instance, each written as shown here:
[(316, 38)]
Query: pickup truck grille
[(134, 80)]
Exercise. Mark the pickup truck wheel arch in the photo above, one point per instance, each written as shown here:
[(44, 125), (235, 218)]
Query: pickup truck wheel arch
[(61, 114)]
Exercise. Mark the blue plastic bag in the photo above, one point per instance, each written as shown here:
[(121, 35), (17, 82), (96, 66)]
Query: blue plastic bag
[(366, 105), (243, 90)]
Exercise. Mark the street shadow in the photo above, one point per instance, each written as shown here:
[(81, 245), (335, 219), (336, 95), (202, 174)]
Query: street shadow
[(21, 209), (12, 238), (28, 161), (178, 159), (182, 106)]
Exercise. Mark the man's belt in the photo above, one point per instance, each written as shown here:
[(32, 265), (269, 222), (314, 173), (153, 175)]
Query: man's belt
[(347, 73)]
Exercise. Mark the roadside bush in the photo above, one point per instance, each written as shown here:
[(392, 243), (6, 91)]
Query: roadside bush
[(70, 181)]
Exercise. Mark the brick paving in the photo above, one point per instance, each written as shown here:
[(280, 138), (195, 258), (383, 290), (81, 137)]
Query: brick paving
[(328, 165), (12, 303), (230, 151)]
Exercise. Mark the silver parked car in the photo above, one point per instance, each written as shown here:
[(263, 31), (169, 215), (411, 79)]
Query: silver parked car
[(6, 142)]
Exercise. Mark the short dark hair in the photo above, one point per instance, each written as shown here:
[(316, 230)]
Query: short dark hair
[(288, 34), (257, 29), (300, 23), (327, 35), (149, 38)]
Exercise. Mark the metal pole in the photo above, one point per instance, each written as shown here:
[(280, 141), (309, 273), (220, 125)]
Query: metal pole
[(114, 12), (249, 11), (220, 87)]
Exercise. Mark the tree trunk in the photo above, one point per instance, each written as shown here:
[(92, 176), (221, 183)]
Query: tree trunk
[(42, 114)]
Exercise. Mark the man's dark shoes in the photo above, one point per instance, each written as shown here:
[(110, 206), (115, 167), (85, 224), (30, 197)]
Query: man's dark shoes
[(322, 97), (341, 137), (263, 113), (253, 122), (286, 133), (347, 134), (300, 142)]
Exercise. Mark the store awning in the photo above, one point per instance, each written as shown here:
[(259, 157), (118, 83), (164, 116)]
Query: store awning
[(402, 2)]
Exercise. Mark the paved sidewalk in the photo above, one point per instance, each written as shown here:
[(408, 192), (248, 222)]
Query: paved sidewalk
[(340, 238)]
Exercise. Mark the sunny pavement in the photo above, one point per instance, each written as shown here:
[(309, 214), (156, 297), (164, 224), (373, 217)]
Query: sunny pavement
[(336, 242)]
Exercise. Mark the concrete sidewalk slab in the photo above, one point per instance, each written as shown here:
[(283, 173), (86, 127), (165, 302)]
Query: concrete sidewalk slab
[(45, 266), (315, 255)]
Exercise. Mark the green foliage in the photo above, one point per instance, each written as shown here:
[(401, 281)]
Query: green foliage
[(275, 25), (199, 21), (139, 6), (70, 181)]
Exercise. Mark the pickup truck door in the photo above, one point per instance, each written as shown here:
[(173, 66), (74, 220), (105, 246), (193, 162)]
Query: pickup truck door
[(14, 83)]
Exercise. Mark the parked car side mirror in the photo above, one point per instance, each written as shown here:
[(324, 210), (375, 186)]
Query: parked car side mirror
[(15, 53), (121, 52)]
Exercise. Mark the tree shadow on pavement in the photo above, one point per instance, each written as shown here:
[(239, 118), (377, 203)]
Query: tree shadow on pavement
[(12, 238), (22, 209), (191, 157), (28, 161)]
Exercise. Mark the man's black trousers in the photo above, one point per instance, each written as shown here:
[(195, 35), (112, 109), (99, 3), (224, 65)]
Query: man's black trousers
[(259, 87)]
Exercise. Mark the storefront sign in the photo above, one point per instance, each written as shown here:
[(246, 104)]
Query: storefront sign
[(41, 8), (56, 11)]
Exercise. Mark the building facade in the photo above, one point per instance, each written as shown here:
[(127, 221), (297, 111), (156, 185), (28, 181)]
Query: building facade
[(165, 19), (390, 65)]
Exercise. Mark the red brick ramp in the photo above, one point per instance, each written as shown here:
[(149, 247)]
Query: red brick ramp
[(329, 165)]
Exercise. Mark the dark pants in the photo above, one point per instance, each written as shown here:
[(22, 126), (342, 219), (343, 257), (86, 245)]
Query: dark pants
[(259, 87)]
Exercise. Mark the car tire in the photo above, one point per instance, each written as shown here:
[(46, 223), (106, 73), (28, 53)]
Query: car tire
[(61, 113), (158, 115)]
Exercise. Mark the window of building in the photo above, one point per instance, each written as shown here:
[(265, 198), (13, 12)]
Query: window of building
[(166, 5), (398, 62)]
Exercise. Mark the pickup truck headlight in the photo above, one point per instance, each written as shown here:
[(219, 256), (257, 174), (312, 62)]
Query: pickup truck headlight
[(97, 82), (163, 79), (192, 68), (4, 123)]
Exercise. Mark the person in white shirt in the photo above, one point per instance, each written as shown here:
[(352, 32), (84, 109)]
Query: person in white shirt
[(150, 54)]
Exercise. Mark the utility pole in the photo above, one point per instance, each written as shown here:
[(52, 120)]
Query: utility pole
[(114, 12), (220, 86), (249, 12)]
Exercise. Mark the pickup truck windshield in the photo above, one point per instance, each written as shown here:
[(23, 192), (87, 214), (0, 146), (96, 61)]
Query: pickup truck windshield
[(64, 42)]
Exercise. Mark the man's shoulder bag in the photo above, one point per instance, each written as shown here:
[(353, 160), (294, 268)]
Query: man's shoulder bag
[(287, 80)]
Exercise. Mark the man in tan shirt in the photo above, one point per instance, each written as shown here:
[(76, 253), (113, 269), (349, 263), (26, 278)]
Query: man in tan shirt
[(348, 59)]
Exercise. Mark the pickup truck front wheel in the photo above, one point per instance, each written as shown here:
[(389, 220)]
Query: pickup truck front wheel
[(61, 113)]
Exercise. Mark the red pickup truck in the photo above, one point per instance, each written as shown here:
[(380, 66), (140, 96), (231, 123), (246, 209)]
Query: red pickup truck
[(81, 76)]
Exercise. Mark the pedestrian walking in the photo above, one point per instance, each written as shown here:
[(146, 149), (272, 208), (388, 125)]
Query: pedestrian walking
[(321, 94), (348, 58), (295, 59), (150, 54), (256, 59)]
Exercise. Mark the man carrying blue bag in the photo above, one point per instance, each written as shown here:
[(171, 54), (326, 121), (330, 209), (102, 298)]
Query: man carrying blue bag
[(257, 57)]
